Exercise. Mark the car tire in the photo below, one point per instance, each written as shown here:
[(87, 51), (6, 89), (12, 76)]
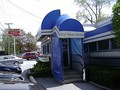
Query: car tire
[(16, 63)]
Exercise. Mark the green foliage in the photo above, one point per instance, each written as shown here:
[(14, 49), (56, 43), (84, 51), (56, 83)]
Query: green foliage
[(41, 69), (116, 22), (104, 75), (25, 42)]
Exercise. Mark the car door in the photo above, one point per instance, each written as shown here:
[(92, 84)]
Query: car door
[(3, 59), (8, 60), (11, 60)]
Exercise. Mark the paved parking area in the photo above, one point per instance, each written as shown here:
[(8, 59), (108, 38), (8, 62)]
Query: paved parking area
[(51, 84), (28, 64), (25, 66)]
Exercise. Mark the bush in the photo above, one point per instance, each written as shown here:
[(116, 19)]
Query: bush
[(104, 75), (41, 69)]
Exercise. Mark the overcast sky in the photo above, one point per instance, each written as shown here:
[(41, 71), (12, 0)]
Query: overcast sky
[(28, 14)]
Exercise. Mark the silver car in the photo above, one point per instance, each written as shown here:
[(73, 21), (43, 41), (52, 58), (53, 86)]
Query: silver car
[(11, 60), (17, 82)]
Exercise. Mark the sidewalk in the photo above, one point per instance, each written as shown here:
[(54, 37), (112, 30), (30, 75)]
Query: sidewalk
[(51, 84)]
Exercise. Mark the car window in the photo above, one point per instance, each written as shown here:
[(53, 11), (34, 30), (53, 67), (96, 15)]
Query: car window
[(11, 57), (1, 58), (32, 53), (27, 53), (5, 57)]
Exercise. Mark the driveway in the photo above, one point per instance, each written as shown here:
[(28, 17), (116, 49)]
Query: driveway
[(26, 66)]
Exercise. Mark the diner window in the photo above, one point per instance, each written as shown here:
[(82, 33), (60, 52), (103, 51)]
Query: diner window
[(103, 45), (44, 49), (48, 48), (92, 47), (113, 44), (86, 47)]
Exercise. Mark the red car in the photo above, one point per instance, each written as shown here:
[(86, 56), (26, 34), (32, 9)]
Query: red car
[(30, 55)]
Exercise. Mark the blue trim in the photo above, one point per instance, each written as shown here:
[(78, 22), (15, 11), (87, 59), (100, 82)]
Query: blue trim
[(97, 37), (65, 23), (50, 19), (100, 30)]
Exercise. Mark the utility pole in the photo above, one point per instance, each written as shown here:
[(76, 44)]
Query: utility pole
[(8, 24)]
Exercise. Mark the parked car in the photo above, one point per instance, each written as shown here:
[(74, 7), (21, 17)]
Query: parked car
[(12, 77), (11, 59), (30, 55), (17, 82), (43, 58), (7, 68)]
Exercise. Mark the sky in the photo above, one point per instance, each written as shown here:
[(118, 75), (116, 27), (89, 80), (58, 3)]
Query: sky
[(28, 14)]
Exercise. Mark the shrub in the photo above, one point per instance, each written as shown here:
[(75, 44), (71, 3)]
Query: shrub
[(104, 75), (41, 69)]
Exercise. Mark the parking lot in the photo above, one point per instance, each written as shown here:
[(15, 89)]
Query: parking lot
[(27, 65)]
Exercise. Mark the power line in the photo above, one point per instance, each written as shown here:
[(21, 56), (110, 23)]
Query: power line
[(20, 17), (24, 10), (2, 25), (2, 10)]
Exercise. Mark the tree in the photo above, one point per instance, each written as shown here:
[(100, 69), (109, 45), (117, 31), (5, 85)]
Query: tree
[(91, 10), (30, 42), (24, 42), (116, 22), (7, 40)]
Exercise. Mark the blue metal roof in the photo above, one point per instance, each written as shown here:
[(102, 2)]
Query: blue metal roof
[(65, 23), (100, 30), (50, 19)]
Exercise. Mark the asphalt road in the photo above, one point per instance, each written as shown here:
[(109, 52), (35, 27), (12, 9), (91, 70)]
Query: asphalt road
[(25, 66)]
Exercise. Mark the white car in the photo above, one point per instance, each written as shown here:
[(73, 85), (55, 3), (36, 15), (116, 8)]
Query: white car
[(10, 60)]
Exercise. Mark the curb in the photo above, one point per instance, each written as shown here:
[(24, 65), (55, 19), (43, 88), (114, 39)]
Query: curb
[(103, 87), (32, 79)]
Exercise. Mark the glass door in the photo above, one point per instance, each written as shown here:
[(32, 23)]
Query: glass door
[(65, 53)]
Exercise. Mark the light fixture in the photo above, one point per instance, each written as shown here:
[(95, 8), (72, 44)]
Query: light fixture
[(48, 37)]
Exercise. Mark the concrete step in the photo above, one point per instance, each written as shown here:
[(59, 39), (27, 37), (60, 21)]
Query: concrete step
[(71, 81), (72, 72), (75, 76), (71, 75)]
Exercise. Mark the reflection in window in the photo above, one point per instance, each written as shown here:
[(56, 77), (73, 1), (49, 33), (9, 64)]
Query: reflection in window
[(92, 47), (103, 45), (86, 47), (113, 44)]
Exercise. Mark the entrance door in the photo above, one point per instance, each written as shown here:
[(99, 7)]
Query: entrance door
[(65, 53)]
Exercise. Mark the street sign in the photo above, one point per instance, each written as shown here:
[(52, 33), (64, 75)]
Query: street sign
[(14, 32)]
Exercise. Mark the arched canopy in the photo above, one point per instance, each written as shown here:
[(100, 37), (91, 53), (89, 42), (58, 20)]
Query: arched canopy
[(50, 19), (65, 23)]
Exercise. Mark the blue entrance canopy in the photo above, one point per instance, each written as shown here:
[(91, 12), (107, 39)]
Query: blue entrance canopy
[(66, 23), (58, 27)]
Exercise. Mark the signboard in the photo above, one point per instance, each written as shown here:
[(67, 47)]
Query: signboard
[(68, 34), (14, 32)]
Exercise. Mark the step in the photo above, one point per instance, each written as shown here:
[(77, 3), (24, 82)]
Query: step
[(71, 81), (72, 72), (72, 76)]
